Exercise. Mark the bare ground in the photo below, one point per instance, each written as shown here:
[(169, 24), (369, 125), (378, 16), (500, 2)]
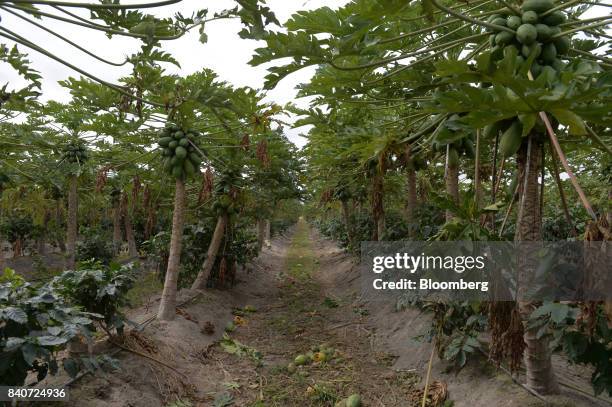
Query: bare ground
[(303, 292)]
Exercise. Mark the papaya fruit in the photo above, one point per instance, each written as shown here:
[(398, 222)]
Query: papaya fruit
[(544, 32), (536, 69), (527, 49), (184, 142), (493, 17), (195, 158), (300, 360), (539, 6), (504, 38), (526, 34), (167, 164), (173, 144), (562, 45), (189, 168), (499, 21), (164, 141), (492, 40), (529, 17), (178, 135), (549, 53), (180, 152), (177, 172), (354, 400), (510, 141), (175, 161), (555, 18), (514, 22), (166, 152)]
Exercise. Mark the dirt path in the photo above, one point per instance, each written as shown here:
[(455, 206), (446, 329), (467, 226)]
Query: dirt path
[(301, 296), (299, 318)]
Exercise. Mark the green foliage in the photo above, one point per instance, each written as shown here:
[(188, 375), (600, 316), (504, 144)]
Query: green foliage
[(94, 245), (35, 324), (98, 289)]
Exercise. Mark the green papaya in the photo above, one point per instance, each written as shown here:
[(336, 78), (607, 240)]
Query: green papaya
[(526, 34), (167, 164), (527, 49), (536, 69), (544, 32), (493, 17), (500, 21), (514, 22), (173, 144), (529, 17), (180, 152), (510, 141), (539, 6), (549, 53), (189, 168), (177, 172), (184, 142), (504, 38), (178, 135), (354, 400), (195, 158), (492, 40), (164, 141), (166, 152), (555, 18), (562, 45)]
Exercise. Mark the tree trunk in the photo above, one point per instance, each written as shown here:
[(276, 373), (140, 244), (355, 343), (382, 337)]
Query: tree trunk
[(268, 232), (452, 182), (71, 231), (18, 248), (378, 211), (346, 214), (167, 306), (411, 191), (211, 255), (58, 222), (117, 235), (129, 234), (540, 375), (261, 233)]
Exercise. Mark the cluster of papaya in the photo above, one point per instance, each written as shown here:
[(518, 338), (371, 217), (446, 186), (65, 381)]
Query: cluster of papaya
[(225, 186), (75, 152), (536, 30), (178, 147)]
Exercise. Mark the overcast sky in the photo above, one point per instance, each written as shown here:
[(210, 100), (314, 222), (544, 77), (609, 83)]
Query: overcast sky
[(225, 52)]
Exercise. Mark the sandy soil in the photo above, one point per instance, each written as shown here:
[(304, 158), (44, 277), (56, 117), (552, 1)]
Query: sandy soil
[(302, 292)]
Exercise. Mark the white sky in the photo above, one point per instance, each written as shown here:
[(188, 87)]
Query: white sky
[(225, 52)]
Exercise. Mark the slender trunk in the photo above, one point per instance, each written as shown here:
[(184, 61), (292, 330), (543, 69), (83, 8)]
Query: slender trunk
[(346, 214), (267, 232), (71, 231), (58, 222), (117, 235), (17, 248), (129, 234), (609, 214), (167, 306), (261, 233), (211, 255), (451, 177), (378, 211), (540, 375)]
